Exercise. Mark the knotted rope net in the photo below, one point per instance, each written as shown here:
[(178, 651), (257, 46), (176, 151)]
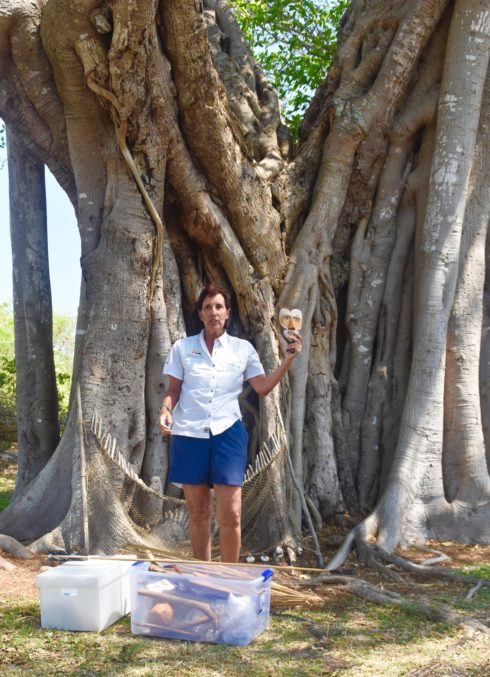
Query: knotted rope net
[(159, 514)]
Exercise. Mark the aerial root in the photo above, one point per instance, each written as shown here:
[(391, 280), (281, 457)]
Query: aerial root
[(382, 561), (6, 565), (50, 543), (13, 547), (377, 595), (424, 571)]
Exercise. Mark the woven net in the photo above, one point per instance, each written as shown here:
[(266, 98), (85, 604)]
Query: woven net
[(160, 517)]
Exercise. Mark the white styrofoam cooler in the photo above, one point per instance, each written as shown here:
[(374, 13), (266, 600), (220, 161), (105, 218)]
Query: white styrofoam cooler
[(124, 565), (83, 596)]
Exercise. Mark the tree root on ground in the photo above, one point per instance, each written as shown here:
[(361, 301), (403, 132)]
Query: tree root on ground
[(424, 571), (13, 547), (380, 560), (377, 558), (368, 556), (439, 556), (372, 593), (10, 456), (6, 565)]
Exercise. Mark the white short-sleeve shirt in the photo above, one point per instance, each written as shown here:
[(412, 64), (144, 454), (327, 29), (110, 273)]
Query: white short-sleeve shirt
[(211, 384)]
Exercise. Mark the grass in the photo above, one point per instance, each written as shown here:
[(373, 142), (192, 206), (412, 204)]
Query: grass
[(7, 482), (347, 637), (482, 570)]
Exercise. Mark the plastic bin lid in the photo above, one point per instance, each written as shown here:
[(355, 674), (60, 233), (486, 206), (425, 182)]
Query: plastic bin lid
[(91, 563), (77, 577), (242, 573)]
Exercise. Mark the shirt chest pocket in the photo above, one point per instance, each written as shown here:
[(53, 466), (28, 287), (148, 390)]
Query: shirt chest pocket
[(230, 367)]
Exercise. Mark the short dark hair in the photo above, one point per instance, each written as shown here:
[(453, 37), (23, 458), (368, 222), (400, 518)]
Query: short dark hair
[(212, 290)]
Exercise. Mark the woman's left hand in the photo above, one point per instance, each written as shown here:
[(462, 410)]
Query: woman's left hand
[(294, 345), (263, 384)]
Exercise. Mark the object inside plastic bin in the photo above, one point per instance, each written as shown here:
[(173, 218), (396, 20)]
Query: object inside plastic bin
[(199, 604)]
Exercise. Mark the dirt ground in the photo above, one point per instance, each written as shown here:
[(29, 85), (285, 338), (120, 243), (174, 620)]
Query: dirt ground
[(20, 584)]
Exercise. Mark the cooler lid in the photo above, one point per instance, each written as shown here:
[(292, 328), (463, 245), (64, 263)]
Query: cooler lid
[(95, 576)]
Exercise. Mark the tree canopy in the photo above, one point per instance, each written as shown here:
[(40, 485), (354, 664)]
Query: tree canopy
[(294, 42)]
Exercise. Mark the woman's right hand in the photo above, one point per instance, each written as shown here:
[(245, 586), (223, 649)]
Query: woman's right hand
[(165, 420)]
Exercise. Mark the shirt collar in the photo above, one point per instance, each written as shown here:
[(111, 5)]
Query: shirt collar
[(222, 340)]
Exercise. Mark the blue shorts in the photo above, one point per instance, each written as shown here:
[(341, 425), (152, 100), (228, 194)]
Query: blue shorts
[(217, 459)]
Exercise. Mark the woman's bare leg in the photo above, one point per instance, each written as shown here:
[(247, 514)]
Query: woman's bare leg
[(198, 499), (228, 514)]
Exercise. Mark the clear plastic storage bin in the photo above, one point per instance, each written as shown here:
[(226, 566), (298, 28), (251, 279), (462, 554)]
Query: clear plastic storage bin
[(203, 602)]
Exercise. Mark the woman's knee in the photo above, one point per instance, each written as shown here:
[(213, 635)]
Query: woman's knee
[(228, 506), (199, 505), (230, 518), (199, 514)]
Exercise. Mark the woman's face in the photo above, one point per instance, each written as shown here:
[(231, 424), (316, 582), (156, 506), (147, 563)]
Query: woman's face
[(214, 314)]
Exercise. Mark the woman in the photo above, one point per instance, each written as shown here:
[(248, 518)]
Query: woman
[(200, 408)]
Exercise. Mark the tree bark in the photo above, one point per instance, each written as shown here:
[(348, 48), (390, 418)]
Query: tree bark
[(466, 474), (417, 465), (36, 394)]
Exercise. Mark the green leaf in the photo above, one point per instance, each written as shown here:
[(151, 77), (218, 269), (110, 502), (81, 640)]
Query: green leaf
[(63, 347), (294, 41)]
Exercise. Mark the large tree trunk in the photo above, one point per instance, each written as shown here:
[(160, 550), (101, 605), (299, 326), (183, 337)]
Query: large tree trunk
[(375, 228), (418, 471), (37, 400)]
